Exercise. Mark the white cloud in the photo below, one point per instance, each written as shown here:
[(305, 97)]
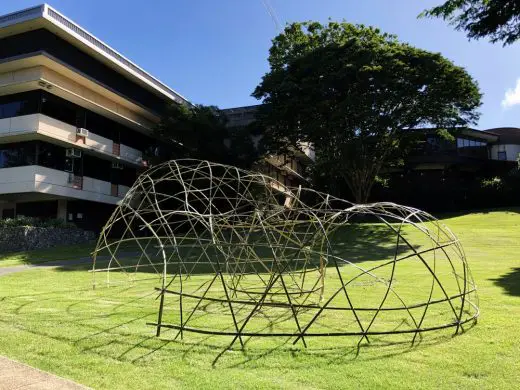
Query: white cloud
[(512, 96)]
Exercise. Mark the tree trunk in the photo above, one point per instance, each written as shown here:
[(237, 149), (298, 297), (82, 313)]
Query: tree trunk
[(360, 184)]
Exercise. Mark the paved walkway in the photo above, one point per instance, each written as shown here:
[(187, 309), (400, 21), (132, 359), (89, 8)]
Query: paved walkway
[(14, 375)]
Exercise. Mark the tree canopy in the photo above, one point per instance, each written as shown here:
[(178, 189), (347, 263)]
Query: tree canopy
[(201, 132), (353, 91), (499, 20)]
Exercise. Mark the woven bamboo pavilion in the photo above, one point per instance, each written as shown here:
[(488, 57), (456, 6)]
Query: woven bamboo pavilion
[(235, 253)]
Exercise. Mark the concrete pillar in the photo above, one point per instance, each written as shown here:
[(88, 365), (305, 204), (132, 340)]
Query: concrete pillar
[(62, 209)]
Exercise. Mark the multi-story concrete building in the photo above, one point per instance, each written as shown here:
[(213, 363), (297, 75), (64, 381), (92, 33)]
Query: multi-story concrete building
[(469, 151), (507, 145), (288, 170), (75, 118)]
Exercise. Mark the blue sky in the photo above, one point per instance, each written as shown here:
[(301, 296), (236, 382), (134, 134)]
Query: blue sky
[(215, 51)]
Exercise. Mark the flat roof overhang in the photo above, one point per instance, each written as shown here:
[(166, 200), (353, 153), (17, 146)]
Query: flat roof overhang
[(44, 16), (48, 62), (484, 135), (480, 134)]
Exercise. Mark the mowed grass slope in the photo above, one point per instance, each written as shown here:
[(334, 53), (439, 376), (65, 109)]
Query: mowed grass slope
[(54, 320), (40, 256)]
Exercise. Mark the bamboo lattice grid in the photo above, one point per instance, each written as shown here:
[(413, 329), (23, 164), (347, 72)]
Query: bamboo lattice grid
[(238, 254)]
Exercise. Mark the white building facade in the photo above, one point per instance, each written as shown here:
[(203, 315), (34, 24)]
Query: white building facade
[(507, 147), (75, 119)]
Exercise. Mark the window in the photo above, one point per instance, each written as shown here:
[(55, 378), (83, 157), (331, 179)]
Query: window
[(74, 115), (96, 168), (100, 125), (133, 138), (125, 176), (19, 104), (11, 109), (501, 155), (432, 140), (59, 109), (53, 156), (17, 154), (47, 209), (10, 158), (465, 143)]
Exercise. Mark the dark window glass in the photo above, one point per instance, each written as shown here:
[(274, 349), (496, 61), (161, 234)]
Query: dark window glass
[(60, 109), (100, 125), (502, 155), (75, 115), (17, 154), (19, 104), (115, 176), (96, 168), (53, 156), (129, 176), (125, 176), (38, 209), (11, 109), (134, 139), (432, 140)]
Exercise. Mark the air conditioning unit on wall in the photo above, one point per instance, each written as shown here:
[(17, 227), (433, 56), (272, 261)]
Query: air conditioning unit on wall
[(73, 153), (80, 131)]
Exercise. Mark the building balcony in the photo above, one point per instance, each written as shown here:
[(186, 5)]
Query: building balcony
[(286, 165), (306, 149), (49, 182), (39, 126)]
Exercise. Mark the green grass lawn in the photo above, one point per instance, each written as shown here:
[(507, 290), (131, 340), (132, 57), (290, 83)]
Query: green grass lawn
[(40, 256), (54, 320)]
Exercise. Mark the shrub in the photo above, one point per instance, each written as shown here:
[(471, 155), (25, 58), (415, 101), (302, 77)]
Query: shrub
[(22, 220), (494, 182), (57, 223)]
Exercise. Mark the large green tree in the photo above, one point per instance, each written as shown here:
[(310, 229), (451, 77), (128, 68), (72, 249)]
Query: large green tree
[(498, 20), (353, 92), (201, 132)]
